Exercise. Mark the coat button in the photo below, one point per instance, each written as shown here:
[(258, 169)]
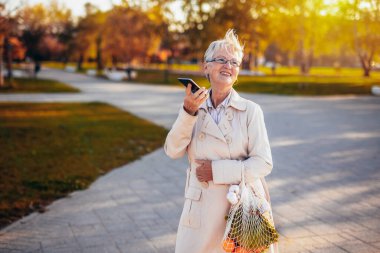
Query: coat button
[(228, 139), (229, 115), (201, 136)]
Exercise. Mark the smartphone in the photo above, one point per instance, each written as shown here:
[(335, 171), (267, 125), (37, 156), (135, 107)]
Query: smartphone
[(185, 81)]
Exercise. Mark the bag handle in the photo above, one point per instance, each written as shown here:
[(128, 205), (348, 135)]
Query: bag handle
[(242, 182), (242, 174)]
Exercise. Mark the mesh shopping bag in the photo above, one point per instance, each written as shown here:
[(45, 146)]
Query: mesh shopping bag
[(250, 228)]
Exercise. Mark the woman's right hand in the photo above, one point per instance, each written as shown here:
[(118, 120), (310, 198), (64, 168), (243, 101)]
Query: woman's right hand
[(192, 102)]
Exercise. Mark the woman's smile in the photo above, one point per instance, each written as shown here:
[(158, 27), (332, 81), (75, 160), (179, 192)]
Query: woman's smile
[(224, 73)]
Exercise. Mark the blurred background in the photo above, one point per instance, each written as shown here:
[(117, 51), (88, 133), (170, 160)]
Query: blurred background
[(300, 37), (325, 187)]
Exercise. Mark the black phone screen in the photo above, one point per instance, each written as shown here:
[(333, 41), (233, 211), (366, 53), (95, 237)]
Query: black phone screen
[(186, 81)]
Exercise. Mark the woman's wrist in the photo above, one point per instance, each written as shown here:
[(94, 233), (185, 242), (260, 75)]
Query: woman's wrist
[(189, 111)]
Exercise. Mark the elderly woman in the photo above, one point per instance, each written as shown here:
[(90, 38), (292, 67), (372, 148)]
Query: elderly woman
[(223, 135)]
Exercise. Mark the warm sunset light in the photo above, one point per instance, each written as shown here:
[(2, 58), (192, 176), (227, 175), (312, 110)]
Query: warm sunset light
[(105, 147), (322, 33)]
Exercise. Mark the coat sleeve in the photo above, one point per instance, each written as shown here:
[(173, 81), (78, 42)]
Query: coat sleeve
[(259, 161), (180, 135)]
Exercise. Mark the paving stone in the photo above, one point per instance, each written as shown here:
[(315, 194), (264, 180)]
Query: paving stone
[(62, 250), (376, 245), (137, 247), (127, 236), (329, 250), (360, 247), (86, 241), (157, 233), (89, 230), (287, 245), (62, 242), (101, 249), (369, 236), (314, 242), (321, 228), (324, 185), (294, 231), (335, 238)]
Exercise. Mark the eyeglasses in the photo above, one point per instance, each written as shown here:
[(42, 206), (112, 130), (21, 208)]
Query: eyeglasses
[(234, 63)]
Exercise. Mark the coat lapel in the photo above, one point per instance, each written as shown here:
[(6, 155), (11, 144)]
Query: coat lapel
[(209, 127), (225, 122), (224, 127)]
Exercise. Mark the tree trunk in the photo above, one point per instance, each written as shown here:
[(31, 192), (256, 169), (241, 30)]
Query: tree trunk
[(303, 64), (114, 61), (247, 62), (1, 60), (310, 60), (367, 72), (99, 63), (366, 67), (80, 61), (167, 69), (290, 60), (366, 64), (8, 54), (256, 55), (303, 59)]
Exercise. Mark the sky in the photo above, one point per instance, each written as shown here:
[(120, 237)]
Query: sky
[(77, 6)]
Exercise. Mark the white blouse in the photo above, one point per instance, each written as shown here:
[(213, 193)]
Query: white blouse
[(216, 113)]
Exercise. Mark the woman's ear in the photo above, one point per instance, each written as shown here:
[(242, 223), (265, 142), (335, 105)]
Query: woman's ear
[(205, 71), (205, 67)]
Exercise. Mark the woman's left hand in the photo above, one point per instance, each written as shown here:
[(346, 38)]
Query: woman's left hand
[(204, 171)]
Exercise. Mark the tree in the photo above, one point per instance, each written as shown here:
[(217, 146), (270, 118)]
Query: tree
[(8, 25), (34, 26), (61, 30), (88, 35), (209, 20), (362, 18), (3, 31), (46, 31), (131, 33), (248, 18), (299, 28), (197, 12)]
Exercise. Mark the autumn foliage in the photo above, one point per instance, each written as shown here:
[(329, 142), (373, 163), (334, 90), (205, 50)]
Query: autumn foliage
[(323, 33)]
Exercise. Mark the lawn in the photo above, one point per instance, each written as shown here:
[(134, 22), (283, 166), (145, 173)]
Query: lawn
[(287, 81), (307, 85), (51, 149), (283, 85), (34, 85)]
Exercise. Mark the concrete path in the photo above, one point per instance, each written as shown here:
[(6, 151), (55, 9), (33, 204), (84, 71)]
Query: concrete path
[(325, 185)]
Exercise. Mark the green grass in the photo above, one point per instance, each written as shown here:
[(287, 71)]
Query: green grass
[(287, 81), (56, 64), (283, 85), (307, 85), (281, 70), (33, 85), (51, 149)]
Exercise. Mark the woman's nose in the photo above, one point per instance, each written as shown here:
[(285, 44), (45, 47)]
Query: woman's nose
[(228, 63)]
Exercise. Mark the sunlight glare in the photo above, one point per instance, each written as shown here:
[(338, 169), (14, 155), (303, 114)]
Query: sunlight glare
[(330, 2)]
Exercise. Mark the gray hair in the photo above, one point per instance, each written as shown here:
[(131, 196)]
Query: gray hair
[(230, 42)]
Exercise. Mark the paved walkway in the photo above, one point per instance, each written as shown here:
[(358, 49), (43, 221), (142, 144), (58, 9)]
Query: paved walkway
[(325, 185)]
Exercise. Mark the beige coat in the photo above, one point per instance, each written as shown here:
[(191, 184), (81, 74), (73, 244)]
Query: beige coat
[(239, 142)]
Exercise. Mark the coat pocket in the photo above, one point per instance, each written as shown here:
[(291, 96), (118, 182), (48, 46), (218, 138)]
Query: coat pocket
[(191, 214)]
